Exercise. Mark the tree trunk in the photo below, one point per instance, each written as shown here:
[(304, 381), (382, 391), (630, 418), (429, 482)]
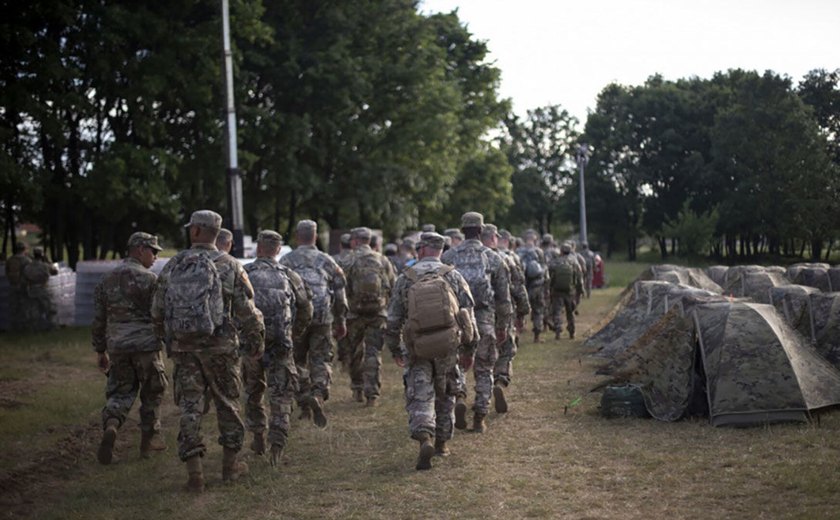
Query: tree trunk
[(816, 249), (828, 249), (663, 246)]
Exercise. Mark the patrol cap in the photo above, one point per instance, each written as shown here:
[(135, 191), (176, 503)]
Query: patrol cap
[(530, 233), (205, 218), (504, 234), (141, 239), (489, 231), (225, 235), (269, 237), (38, 251), (566, 247), (407, 243), (428, 228), (362, 233), (431, 239), (345, 239), (390, 248), (449, 232), (472, 219), (306, 226), (547, 238)]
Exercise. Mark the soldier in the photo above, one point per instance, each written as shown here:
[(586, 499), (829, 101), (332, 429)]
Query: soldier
[(427, 228), (589, 257), (405, 257), (202, 297), (128, 351), (17, 284), (370, 278), (224, 242), (36, 275), (498, 242), (314, 349), (536, 279), (566, 278), (282, 298), (455, 236), (550, 250), (489, 281), (581, 260), (344, 252), (429, 390)]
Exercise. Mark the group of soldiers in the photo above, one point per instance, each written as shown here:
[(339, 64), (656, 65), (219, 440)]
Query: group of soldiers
[(29, 298), (442, 305)]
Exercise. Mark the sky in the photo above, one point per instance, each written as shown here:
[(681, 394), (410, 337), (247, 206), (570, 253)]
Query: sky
[(562, 52)]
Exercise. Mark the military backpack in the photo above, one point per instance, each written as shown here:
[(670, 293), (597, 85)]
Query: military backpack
[(366, 283), (474, 266), (436, 324), (534, 270), (274, 297), (562, 272), (194, 300)]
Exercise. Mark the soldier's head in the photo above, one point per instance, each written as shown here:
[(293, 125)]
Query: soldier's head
[(204, 226), (504, 239), (490, 236), (565, 248), (547, 240), (306, 232), (430, 245), (374, 242), (407, 248), (455, 236), (268, 244), (38, 253), (144, 248), (471, 224), (21, 247), (572, 244), (224, 242), (584, 246), (344, 241), (359, 236), (391, 249), (428, 228), (530, 237)]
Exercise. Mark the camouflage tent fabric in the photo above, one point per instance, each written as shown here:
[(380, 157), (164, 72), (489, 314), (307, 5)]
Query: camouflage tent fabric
[(717, 273), (824, 314), (754, 284), (690, 276), (793, 270), (834, 277), (792, 302), (816, 277)]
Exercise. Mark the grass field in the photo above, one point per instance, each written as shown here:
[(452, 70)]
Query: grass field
[(547, 458)]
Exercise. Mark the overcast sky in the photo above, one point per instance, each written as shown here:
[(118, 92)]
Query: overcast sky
[(561, 52)]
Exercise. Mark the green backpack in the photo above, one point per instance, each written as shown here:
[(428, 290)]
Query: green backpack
[(562, 275)]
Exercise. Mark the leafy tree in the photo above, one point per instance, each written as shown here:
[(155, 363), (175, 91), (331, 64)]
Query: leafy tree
[(694, 232)]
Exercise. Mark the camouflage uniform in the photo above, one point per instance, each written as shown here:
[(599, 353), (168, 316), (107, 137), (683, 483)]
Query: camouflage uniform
[(212, 363), (268, 278), (522, 307), (365, 329), (122, 326), (314, 349), (17, 287), (561, 299), (536, 287), (589, 257), (491, 290), (550, 251), (39, 306)]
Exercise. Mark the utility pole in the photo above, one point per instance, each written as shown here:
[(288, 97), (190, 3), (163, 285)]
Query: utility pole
[(582, 160), (235, 212)]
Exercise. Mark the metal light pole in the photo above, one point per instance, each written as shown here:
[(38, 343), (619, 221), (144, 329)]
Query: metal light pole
[(582, 160), (235, 213)]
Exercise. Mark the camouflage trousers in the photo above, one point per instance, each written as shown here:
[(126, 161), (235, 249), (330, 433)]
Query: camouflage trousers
[(366, 335), (430, 392), (39, 310), (507, 351), (132, 373), (536, 297), (195, 373), (18, 316), (313, 358), (254, 385), (485, 362), (282, 384), (559, 302)]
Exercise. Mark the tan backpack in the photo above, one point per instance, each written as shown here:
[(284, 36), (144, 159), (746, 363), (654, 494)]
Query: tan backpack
[(436, 324)]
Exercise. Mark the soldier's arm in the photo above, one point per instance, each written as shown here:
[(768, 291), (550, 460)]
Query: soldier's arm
[(100, 319), (396, 317), (303, 304), (501, 290), (338, 282), (248, 317), (518, 291), (390, 273), (465, 301), (158, 303)]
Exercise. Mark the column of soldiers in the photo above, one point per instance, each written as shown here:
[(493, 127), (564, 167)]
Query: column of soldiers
[(30, 302), (275, 324)]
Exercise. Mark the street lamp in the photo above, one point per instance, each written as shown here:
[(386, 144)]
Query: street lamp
[(582, 160), (235, 211)]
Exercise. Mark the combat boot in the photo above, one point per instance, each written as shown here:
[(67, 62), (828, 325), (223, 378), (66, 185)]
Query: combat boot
[(358, 396), (258, 444), (109, 437), (232, 468), (479, 425), (557, 335), (460, 413), (316, 404), (277, 449), (372, 402), (537, 337), (499, 401), (305, 412), (195, 483), (427, 451), (441, 450), (150, 441), (572, 334)]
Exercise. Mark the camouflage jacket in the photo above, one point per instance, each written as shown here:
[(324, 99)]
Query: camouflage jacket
[(518, 291), (387, 275), (122, 310), (238, 296), (14, 270), (36, 274), (490, 288), (323, 276), (398, 306), (295, 319), (534, 251)]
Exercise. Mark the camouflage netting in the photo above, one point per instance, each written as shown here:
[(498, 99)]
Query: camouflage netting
[(816, 277), (793, 270), (690, 276), (718, 274), (792, 304), (834, 276), (825, 325), (754, 284), (747, 364)]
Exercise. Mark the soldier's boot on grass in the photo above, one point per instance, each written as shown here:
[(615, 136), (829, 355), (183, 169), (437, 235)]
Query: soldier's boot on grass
[(106, 448), (150, 441), (258, 444), (479, 426), (277, 450), (232, 467), (427, 451), (460, 413), (305, 411), (358, 396), (316, 404), (557, 335), (441, 450), (499, 401), (195, 481), (537, 337), (372, 402), (571, 333)]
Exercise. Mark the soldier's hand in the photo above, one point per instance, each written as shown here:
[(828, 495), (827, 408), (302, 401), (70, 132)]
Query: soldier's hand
[(340, 330), (103, 362), (501, 335), (466, 361), (520, 324), (400, 361)]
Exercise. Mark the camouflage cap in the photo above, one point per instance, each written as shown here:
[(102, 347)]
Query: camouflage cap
[(472, 219), (504, 234), (448, 232), (566, 247), (362, 233), (530, 233), (345, 239), (547, 238), (391, 248), (428, 228), (38, 252), (225, 235), (431, 239), (408, 243), (489, 230), (205, 218), (306, 225), (269, 237), (141, 239)]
